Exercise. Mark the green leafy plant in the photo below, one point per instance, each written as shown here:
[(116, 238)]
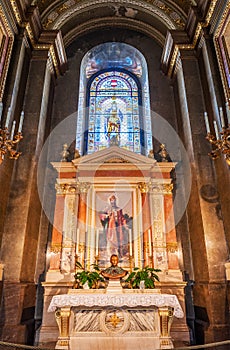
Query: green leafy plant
[(92, 277), (147, 274)]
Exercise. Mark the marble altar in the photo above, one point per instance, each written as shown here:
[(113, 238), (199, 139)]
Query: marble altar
[(95, 319)]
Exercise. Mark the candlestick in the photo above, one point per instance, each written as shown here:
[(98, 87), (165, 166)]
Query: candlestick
[(150, 243), (12, 130), (8, 118), (130, 243), (216, 130), (206, 122), (1, 108), (97, 242), (21, 122), (77, 241), (222, 117)]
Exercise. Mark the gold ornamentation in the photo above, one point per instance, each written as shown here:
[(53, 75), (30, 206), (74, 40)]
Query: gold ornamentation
[(114, 319), (6, 145), (191, 46), (55, 248), (172, 247), (221, 145), (167, 188), (81, 247), (66, 188), (7, 31), (62, 318), (16, 11), (166, 316), (143, 187)]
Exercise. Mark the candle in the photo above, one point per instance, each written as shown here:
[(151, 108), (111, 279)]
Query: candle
[(1, 108), (97, 242), (77, 242), (150, 243), (216, 130), (12, 130), (206, 122), (21, 122), (130, 243), (228, 112), (222, 117), (8, 118)]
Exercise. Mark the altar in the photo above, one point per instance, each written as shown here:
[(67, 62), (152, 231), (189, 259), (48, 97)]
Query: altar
[(113, 201), (131, 319)]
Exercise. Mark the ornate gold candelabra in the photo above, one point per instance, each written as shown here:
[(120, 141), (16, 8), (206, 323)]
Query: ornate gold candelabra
[(8, 144), (222, 145), (221, 140), (8, 139)]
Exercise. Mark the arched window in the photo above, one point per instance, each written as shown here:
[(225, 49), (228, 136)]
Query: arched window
[(114, 100)]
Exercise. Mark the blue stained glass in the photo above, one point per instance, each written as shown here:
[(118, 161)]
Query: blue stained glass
[(114, 96)]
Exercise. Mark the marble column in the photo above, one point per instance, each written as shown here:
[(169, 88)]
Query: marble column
[(24, 210), (208, 241), (147, 234), (171, 239)]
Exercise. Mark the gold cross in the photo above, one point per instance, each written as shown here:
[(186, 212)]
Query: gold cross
[(114, 320)]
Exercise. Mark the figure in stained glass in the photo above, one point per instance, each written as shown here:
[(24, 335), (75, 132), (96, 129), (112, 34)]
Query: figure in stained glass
[(114, 119)]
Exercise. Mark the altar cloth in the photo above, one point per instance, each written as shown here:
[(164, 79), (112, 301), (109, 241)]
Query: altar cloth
[(117, 300)]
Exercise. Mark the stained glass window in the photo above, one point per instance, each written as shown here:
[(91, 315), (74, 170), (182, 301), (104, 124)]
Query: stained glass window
[(114, 100), (113, 112)]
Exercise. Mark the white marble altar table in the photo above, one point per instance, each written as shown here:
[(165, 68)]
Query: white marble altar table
[(121, 318)]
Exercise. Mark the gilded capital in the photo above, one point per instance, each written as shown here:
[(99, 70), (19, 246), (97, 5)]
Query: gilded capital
[(143, 187), (66, 188), (172, 247), (84, 187)]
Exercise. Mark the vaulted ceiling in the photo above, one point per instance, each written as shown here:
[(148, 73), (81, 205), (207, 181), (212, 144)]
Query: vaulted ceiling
[(154, 17)]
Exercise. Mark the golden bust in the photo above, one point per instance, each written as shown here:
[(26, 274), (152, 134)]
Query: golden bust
[(114, 272)]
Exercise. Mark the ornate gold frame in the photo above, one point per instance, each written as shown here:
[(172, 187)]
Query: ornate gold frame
[(222, 51), (6, 46)]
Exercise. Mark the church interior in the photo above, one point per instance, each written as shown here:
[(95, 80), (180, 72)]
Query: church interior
[(114, 158)]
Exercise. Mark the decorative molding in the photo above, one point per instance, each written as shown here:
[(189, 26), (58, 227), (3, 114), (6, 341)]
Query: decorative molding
[(6, 47), (54, 19), (169, 60), (221, 51), (128, 23)]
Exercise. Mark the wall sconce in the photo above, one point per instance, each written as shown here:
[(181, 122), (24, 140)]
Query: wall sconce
[(10, 139), (221, 140)]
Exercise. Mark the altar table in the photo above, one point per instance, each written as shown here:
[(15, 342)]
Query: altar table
[(96, 320)]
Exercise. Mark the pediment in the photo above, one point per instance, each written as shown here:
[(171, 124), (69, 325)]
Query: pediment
[(114, 155)]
